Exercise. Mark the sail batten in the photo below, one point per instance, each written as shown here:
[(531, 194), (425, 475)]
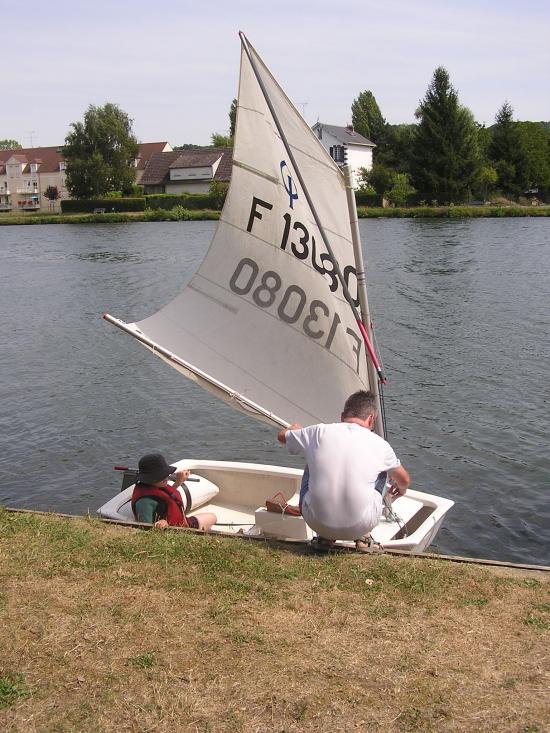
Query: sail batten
[(267, 311)]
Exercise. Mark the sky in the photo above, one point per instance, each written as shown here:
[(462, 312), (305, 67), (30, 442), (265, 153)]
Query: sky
[(173, 66)]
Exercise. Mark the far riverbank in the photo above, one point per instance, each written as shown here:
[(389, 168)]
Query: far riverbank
[(179, 214)]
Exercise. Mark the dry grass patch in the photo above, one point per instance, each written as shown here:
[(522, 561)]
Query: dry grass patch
[(109, 629)]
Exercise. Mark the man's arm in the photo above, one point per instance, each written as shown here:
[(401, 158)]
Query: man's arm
[(281, 435), (400, 481)]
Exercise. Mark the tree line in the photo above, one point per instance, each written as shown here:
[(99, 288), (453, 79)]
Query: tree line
[(447, 157)]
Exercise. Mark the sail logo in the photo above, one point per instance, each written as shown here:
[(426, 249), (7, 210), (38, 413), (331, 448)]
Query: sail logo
[(288, 183)]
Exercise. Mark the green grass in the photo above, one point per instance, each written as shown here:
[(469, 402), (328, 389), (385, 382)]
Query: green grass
[(179, 213), (452, 212), (479, 602), (12, 687), (144, 661), (536, 622), (176, 214), (229, 568)]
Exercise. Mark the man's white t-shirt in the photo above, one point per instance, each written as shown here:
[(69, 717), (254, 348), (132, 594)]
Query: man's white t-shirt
[(344, 461)]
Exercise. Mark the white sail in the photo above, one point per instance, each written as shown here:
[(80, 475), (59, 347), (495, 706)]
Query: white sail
[(265, 317)]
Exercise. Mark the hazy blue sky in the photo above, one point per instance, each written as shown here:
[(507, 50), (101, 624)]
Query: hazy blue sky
[(173, 66)]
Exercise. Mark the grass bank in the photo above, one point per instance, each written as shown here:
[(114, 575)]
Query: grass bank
[(176, 214), (180, 214), (452, 212), (104, 628)]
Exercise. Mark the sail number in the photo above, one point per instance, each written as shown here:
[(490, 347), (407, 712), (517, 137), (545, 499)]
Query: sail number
[(265, 290), (297, 240), (305, 248)]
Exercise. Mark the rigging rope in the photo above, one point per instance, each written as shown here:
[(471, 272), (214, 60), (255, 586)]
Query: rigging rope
[(389, 514)]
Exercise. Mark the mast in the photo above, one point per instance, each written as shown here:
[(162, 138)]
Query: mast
[(362, 292), (313, 210)]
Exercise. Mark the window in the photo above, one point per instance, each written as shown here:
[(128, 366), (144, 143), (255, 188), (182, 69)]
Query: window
[(337, 153)]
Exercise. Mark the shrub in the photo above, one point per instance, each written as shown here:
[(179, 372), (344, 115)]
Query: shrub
[(168, 201), (87, 206), (218, 190), (401, 191), (364, 197)]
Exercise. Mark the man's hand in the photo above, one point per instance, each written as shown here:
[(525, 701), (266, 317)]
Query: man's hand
[(161, 524), (281, 435), (399, 482), (394, 491)]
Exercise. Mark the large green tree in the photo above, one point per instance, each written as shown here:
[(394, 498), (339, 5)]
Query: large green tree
[(366, 117), (395, 148), (534, 164), (445, 157), (100, 153), (9, 145), (505, 150)]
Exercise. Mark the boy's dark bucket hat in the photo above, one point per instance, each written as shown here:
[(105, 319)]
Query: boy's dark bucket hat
[(153, 467)]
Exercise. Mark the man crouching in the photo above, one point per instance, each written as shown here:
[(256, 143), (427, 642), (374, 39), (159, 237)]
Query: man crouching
[(347, 466)]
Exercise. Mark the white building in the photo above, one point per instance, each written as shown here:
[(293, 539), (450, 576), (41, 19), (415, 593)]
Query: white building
[(346, 147)]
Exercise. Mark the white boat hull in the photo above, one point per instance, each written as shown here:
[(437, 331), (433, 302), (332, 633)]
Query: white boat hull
[(237, 492)]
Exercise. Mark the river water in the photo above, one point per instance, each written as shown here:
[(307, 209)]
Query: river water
[(463, 325)]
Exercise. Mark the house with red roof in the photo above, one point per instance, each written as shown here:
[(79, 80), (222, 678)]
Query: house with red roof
[(26, 173), (190, 171)]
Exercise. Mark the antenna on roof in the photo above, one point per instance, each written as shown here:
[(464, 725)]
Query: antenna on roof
[(30, 133)]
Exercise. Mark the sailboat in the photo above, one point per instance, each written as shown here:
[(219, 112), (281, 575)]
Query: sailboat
[(275, 322)]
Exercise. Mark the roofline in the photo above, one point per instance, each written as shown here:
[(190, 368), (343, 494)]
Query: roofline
[(368, 144)]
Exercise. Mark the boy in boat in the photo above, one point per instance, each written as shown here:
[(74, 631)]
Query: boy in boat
[(347, 466), (157, 502)]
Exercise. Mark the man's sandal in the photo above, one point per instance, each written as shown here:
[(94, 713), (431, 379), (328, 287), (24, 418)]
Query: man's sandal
[(368, 545), (320, 544)]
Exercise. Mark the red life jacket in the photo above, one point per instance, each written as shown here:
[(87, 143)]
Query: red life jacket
[(168, 497)]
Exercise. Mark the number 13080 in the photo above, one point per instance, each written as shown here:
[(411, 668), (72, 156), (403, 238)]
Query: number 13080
[(266, 290)]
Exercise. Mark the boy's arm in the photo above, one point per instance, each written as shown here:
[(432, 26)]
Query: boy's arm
[(146, 509)]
